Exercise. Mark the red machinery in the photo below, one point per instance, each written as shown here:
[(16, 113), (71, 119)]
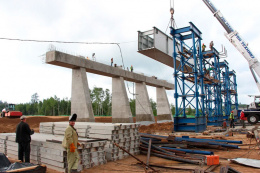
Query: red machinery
[(10, 112)]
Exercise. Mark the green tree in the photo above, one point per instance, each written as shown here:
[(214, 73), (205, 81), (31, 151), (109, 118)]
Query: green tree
[(35, 98), (97, 96), (189, 111), (154, 107), (172, 109), (132, 106), (107, 106)]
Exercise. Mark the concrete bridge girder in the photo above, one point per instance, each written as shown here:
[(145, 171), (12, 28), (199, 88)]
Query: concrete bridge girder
[(121, 112)]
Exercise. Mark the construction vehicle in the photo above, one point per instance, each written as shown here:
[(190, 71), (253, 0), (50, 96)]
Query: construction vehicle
[(253, 111), (10, 111)]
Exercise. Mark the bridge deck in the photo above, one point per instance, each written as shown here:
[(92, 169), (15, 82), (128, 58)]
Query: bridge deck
[(73, 62)]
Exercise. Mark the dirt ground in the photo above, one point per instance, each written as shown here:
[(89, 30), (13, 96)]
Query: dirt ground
[(8, 125)]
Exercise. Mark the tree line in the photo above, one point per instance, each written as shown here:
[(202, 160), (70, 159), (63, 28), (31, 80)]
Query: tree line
[(101, 103)]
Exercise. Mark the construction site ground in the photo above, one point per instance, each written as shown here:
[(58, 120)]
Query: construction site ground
[(8, 125)]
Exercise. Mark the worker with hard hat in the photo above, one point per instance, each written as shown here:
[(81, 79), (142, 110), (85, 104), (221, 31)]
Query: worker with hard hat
[(203, 47), (242, 119), (23, 138), (231, 118), (211, 44), (70, 143), (3, 113)]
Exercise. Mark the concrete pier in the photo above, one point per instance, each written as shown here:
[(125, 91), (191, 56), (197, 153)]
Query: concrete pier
[(144, 112), (80, 96), (164, 113), (121, 112)]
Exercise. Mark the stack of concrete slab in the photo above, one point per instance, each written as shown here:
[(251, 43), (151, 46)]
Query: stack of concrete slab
[(92, 152), (47, 149), (11, 147), (3, 139), (125, 134), (46, 127), (60, 127), (52, 154), (36, 143)]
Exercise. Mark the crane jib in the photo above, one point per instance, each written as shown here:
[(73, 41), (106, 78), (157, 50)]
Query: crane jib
[(226, 23), (245, 46), (228, 28)]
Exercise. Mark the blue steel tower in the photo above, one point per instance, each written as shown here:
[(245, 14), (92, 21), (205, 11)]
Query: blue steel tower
[(233, 89), (188, 76), (212, 87), (225, 89)]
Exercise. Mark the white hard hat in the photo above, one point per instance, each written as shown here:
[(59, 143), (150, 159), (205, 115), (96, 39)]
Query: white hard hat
[(22, 117)]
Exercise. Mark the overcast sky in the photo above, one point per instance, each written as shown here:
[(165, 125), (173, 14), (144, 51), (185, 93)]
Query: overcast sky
[(23, 71)]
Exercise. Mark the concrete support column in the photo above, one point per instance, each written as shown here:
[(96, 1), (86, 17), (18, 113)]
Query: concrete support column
[(164, 113), (80, 97), (121, 112), (143, 108)]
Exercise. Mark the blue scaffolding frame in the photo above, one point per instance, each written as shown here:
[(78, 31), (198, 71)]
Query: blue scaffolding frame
[(233, 89), (225, 89), (189, 84), (212, 87)]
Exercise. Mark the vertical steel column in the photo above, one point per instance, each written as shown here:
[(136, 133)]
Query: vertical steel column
[(183, 82), (195, 77), (236, 96), (201, 80), (176, 96), (218, 93)]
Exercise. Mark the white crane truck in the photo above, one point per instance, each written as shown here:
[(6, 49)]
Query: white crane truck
[(253, 111)]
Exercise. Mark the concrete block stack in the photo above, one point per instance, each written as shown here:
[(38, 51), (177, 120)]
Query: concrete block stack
[(47, 149), (54, 156), (35, 156), (11, 147), (60, 127), (3, 139), (125, 134), (92, 153), (46, 127)]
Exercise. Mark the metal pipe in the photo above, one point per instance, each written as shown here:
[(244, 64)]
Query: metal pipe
[(210, 140), (175, 158), (135, 157), (191, 151), (211, 143)]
